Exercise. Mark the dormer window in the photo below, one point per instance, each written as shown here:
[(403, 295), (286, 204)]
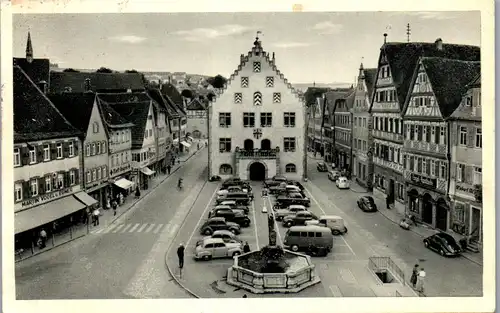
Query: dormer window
[(468, 101), (95, 127)]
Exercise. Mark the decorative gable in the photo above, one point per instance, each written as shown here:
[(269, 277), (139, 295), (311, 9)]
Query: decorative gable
[(422, 101)]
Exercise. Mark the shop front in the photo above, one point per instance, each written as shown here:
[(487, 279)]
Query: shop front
[(343, 157), (466, 213), (145, 176), (389, 184)]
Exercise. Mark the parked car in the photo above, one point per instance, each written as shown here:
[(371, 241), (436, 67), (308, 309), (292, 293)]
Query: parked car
[(234, 205), (211, 248), (231, 181), (295, 183), (279, 214), (342, 183), (276, 180), (292, 198), (333, 175), (239, 197), (234, 189), (230, 215), (367, 204), (444, 244), (322, 167), (298, 219), (219, 223), (334, 222), (225, 235)]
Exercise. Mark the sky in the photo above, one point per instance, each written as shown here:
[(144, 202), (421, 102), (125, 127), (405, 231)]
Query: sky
[(310, 47)]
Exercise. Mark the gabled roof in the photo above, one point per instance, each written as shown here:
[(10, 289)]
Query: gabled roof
[(171, 107), (35, 117), (169, 90), (449, 79), (76, 108), (403, 57), (370, 80), (312, 93), (350, 99), (196, 105), (37, 70), (112, 118), (332, 99), (100, 82)]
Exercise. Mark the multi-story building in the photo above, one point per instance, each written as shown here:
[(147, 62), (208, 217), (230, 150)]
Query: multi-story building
[(257, 126), (362, 143), (165, 141), (47, 167), (342, 131), (137, 108), (179, 124), (314, 97), (435, 92), (197, 119), (466, 166), (328, 128), (83, 112), (396, 65)]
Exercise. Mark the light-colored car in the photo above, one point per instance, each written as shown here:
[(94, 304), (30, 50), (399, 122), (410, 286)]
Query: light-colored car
[(334, 222), (225, 235), (279, 214), (213, 248), (342, 183), (333, 175)]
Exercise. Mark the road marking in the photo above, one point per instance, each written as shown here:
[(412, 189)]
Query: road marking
[(142, 228), (107, 230), (150, 227), (157, 229), (348, 246), (347, 275), (335, 290), (118, 228), (134, 228), (126, 227), (255, 225), (275, 223), (97, 231), (173, 230), (201, 217)]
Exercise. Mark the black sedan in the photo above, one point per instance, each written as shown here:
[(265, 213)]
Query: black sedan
[(443, 243), (322, 167), (367, 204), (295, 183)]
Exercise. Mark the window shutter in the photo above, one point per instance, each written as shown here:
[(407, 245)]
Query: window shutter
[(471, 140), (468, 174), (41, 185), (65, 149), (66, 179), (75, 147), (53, 151), (26, 190), (437, 168), (23, 154), (39, 153), (77, 178)]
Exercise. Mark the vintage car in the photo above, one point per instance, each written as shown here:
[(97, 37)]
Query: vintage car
[(444, 244), (322, 167), (212, 248), (275, 181), (342, 183), (292, 198), (230, 215), (367, 204), (298, 219), (219, 223), (279, 214), (334, 222)]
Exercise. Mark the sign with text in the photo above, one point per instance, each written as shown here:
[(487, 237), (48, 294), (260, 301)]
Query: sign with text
[(47, 197), (466, 188), (423, 181)]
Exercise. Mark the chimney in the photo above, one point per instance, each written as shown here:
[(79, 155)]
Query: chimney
[(43, 86), (385, 37), (439, 44), (87, 86), (273, 56)]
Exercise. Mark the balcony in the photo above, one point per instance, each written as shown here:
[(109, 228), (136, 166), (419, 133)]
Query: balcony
[(425, 146), (388, 164), (257, 153), (387, 136)]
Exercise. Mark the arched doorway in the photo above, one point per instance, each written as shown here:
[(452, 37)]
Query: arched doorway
[(196, 134), (265, 144), (427, 209), (257, 171), (248, 145), (413, 201), (441, 214)]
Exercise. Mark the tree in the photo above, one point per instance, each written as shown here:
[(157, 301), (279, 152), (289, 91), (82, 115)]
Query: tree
[(217, 81), (186, 93), (103, 69), (210, 96), (70, 70)]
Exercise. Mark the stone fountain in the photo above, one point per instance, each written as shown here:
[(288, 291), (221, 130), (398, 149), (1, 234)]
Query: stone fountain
[(272, 269)]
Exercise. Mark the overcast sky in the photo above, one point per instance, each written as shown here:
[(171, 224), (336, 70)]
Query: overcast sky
[(321, 47)]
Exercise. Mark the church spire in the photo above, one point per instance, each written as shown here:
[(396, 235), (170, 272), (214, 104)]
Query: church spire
[(29, 49)]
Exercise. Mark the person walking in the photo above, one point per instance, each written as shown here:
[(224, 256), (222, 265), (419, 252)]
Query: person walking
[(168, 169), (246, 247), (96, 216), (114, 204), (414, 275), (137, 192), (420, 280), (180, 255), (43, 238), (388, 203)]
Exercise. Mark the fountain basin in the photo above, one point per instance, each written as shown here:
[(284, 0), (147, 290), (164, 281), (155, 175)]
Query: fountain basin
[(247, 273)]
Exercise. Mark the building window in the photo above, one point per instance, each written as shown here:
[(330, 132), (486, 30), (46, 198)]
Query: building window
[(478, 176), (443, 136), (32, 152), (46, 152), (269, 81), (468, 101), (89, 177), (433, 168), (17, 157), (289, 144), (224, 119), (59, 151), (479, 138), (276, 97), (256, 67), (94, 175), (123, 136), (93, 149), (459, 212), (98, 148), (257, 98), (249, 119), (290, 168), (443, 170), (60, 181), (103, 147), (87, 149), (71, 149), (150, 132), (95, 127), (238, 97), (225, 169), (34, 187), (104, 172), (289, 119), (463, 136), (48, 184), (244, 82), (18, 192), (225, 144), (72, 178), (266, 119), (99, 173)]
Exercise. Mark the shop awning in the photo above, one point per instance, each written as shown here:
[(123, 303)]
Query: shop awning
[(176, 140), (124, 183), (46, 213), (85, 198), (185, 144), (147, 171)]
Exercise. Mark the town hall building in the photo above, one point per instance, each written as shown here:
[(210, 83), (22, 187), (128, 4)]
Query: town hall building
[(257, 125)]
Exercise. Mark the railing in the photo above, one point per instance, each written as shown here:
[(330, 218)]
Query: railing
[(425, 146), (376, 263), (388, 164), (257, 153), (387, 136)]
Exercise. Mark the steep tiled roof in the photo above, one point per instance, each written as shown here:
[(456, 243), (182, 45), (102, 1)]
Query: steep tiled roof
[(35, 117), (124, 97), (332, 97), (449, 79), (312, 93), (162, 100), (195, 105), (403, 58), (350, 99), (76, 108), (172, 92), (100, 82), (112, 118), (370, 79), (38, 70)]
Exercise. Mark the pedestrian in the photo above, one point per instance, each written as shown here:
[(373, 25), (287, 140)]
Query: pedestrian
[(420, 280), (168, 169), (198, 146), (120, 197), (114, 204), (137, 192), (108, 203), (43, 238), (244, 296), (414, 275), (96, 216), (180, 255), (246, 247), (388, 203)]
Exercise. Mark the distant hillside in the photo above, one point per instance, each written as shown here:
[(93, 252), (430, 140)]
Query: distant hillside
[(303, 86)]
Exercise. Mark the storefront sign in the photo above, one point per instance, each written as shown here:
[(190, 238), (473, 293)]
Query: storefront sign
[(47, 197), (466, 188), (119, 169), (425, 181)]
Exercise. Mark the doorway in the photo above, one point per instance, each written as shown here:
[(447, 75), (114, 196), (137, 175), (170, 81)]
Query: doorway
[(442, 215), (257, 171), (390, 191), (265, 144), (248, 145), (475, 229), (427, 209)]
